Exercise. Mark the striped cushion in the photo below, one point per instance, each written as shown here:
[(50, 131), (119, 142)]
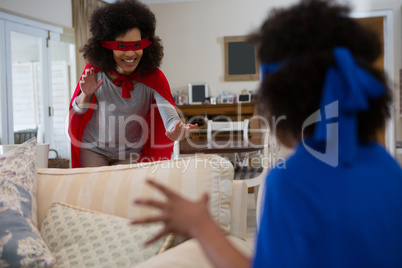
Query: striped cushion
[(112, 189)]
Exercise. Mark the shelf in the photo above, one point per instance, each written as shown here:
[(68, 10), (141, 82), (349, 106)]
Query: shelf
[(201, 113)]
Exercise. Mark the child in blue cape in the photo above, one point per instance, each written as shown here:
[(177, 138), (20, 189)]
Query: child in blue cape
[(338, 201)]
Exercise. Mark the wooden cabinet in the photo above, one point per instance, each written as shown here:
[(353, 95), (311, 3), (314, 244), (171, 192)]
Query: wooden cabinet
[(236, 111), (201, 113)]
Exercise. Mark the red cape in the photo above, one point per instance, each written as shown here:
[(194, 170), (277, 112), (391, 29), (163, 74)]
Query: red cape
[(157, 147)]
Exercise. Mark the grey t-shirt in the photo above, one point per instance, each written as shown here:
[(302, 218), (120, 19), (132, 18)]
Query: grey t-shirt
[(118, 128)]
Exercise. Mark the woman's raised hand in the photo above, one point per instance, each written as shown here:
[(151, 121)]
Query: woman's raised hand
[(180, 131), (88, 83)]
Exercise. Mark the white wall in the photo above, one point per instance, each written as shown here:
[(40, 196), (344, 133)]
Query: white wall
[(56, 12), (193, 33)]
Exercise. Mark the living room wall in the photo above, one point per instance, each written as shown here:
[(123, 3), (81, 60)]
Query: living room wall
[(56, 12), (193, 33)]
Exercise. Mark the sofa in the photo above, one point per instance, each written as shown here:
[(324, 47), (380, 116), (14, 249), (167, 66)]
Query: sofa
[(83, 215)]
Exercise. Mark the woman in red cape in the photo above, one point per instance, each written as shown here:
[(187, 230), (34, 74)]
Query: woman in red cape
[(122, 80)]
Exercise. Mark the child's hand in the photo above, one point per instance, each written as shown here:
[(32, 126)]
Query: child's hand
[(179, 215), (88, 83), (180, 131)]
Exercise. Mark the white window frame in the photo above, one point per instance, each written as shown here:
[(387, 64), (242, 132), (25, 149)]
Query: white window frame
[(3, 84), (9, 23)]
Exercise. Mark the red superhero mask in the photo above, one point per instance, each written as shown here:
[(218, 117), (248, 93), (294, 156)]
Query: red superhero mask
[(126, 46)]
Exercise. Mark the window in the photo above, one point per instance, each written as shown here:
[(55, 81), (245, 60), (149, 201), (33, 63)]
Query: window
[(35, 81)]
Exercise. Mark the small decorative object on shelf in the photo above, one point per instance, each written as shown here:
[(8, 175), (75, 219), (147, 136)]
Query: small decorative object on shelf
[(183, 99), (228, 99), (244, 98), (197, 93)]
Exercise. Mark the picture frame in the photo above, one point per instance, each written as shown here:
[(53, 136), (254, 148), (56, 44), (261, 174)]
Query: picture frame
[(243, 98), (228, 99), (197, 93), (183, 99), (241, 61)]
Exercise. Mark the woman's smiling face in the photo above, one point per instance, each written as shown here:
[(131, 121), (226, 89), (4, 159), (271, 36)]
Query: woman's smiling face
[(127, 61)]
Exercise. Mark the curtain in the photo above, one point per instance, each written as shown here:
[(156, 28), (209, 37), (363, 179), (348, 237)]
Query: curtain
[(82, 11)]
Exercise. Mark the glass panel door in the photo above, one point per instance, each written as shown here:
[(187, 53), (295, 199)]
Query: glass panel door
[(26, 83), (63, 82), (3, 85)]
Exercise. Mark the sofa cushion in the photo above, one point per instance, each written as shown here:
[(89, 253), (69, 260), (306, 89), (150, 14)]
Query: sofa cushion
[(20, 242), (112, 189), (82, 238)]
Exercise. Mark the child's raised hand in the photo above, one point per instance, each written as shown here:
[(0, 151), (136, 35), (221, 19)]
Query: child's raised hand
[(88, 83), (178, 214)]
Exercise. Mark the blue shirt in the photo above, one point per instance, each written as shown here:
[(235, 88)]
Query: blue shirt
[(316, 215)]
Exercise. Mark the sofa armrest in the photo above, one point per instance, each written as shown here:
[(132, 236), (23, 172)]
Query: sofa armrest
[(238, 208), (190, 254)]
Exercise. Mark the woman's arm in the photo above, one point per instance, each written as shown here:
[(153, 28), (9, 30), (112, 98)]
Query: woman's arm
[(192, 219), (175, 129)]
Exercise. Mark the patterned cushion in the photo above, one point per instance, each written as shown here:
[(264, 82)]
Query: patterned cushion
[(20, 241), (82, 238)]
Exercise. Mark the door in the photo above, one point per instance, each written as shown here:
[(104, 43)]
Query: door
[(63, 82), (381, 22), (27, 83), (377, 25)]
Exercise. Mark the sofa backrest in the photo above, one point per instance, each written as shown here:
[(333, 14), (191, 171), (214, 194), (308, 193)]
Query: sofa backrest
[(112, 189)]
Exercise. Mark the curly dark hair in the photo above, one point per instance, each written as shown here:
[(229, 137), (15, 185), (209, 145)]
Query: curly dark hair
[(312, 29), (113, 20)]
